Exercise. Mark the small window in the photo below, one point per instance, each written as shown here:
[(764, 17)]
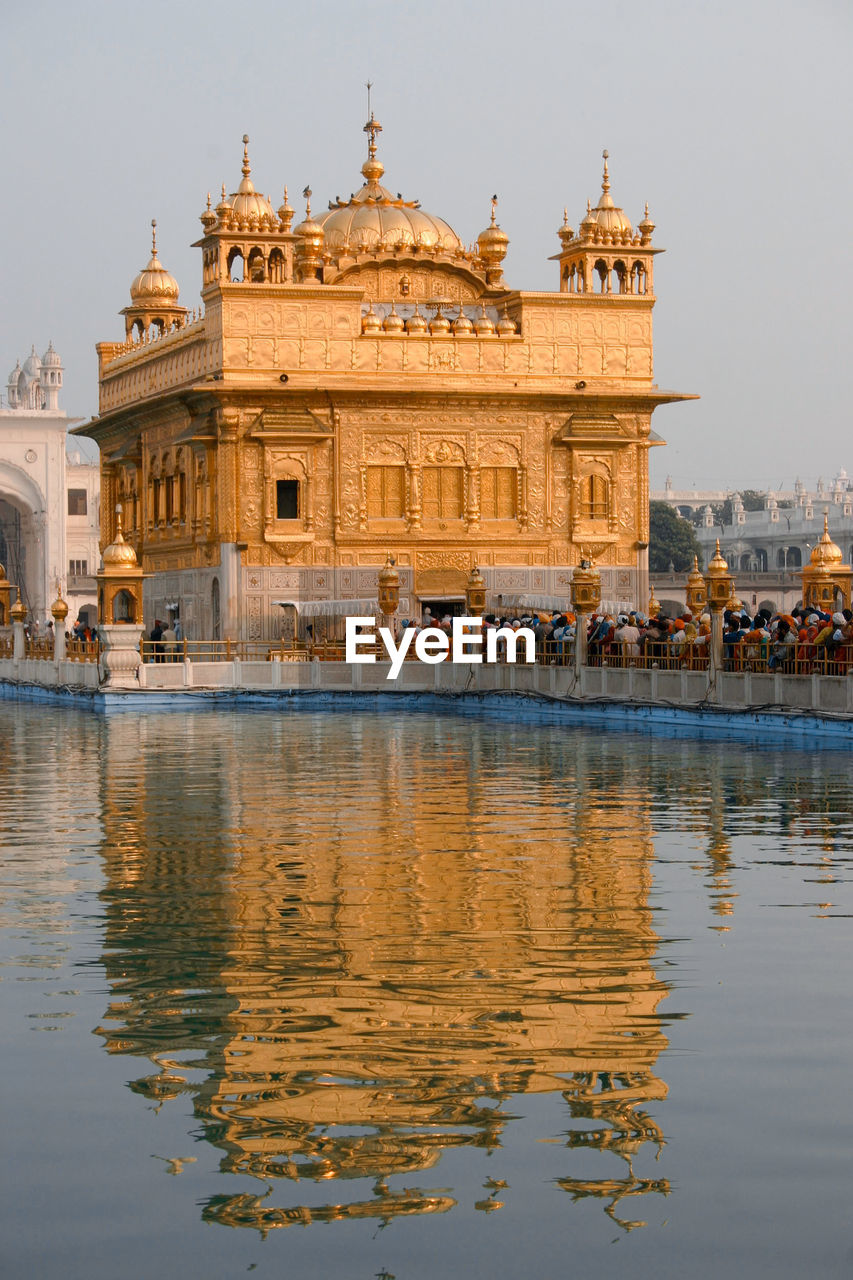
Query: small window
[(76, 502), (78, 568), (594, 498), (287, 499)]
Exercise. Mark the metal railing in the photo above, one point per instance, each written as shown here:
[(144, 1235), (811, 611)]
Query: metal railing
[(222, 651)]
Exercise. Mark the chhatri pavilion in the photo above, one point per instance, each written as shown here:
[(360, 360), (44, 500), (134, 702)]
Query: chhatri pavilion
[(361, 383)]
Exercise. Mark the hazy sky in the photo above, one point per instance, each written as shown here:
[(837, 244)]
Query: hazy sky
[(732, 119)]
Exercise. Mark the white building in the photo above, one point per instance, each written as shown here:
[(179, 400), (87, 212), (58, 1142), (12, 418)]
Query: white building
[(778, 537), (49, 501)]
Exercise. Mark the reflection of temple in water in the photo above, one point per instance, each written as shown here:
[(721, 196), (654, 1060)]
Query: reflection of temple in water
[(368, 975)]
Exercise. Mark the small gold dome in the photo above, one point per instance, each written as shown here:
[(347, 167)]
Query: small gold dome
[(392, 322), (462, 326), (607, 218), (439, 323), (696, 578), (19, 609), (565, 232), (492, 243), (416, 323), (717, 566), (154, 283), (59, 608), (247, 204), (119, 555), (506, 327), (309, 230), (370, 321), (826, 552), (484, 326)]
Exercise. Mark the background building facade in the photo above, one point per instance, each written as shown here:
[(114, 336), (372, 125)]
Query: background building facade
[(49, 499)]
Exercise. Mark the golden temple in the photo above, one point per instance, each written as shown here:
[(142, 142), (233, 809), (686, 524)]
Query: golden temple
[(363, 382)]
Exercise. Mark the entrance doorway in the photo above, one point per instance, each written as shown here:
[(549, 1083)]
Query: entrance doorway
[(439, 609)]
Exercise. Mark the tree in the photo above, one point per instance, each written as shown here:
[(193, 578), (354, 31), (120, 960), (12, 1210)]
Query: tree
[(672, 542)]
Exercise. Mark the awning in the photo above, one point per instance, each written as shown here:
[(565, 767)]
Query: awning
[(331, 608)]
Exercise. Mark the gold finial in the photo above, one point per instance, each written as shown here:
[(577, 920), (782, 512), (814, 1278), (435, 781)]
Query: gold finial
[(208, 202), (247, 168), (605, 181), (223, 191), (118, 519), (307, 193), (565, 216), (494, 209), (372, 127), (153, 237)]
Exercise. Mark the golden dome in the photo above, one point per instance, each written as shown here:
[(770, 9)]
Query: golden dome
[(439, 323), (59, 608), (370, 321), (493, 242), (119, 555), (374, 221), (717, 566), (246, 204), (392, 322), (462, 325), (826, 552), (308, 229), (484, 326), (506, 327), (416, 323), (19, 609), (606, 216), (154, 283)]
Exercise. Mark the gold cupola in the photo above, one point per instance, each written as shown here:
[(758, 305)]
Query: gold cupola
[(374, 221), (492, 245), (607, 219), (250, 209), (826, 552), (310, 239), (153, 298), (154, 283)]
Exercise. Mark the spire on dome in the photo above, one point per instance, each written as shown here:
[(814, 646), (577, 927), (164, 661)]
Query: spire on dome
[(153, 237), (247, 168), (605, 181)]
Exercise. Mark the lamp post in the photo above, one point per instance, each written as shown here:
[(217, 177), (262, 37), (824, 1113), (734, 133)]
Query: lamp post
[(19, 617), (59, 612), (695, 592), (719, 585), (586, 598), (389, 588), (475, 594)]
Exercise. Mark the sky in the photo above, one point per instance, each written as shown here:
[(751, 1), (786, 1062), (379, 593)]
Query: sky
[(731, 118)]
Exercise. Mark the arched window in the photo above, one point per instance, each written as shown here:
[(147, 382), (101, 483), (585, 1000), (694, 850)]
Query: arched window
[(235, 266), (256, 268), (603, 275), (276, 267), (620, 278), (595, 498)]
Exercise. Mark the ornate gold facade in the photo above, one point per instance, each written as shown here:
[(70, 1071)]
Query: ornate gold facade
[(363, 382)]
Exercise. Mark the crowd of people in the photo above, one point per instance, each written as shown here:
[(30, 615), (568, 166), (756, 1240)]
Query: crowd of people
[(804, 640)]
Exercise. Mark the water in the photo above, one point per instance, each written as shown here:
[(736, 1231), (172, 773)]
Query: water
[(333, 995)]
